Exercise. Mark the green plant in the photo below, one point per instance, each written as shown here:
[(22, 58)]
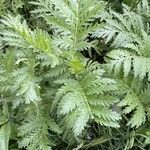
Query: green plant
[(26, 55), (129, 58), (52, 96)]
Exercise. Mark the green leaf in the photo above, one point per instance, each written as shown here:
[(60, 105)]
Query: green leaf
[(5, 132)]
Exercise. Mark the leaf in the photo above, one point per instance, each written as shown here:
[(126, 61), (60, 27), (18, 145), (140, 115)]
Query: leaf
[(5, 132), (138, 118), (81, 122)]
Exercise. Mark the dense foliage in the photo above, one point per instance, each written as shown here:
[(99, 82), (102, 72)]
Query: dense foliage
[(74, 74)]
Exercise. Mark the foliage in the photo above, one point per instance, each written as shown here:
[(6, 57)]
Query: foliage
[(53, 96), (129, 33)]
